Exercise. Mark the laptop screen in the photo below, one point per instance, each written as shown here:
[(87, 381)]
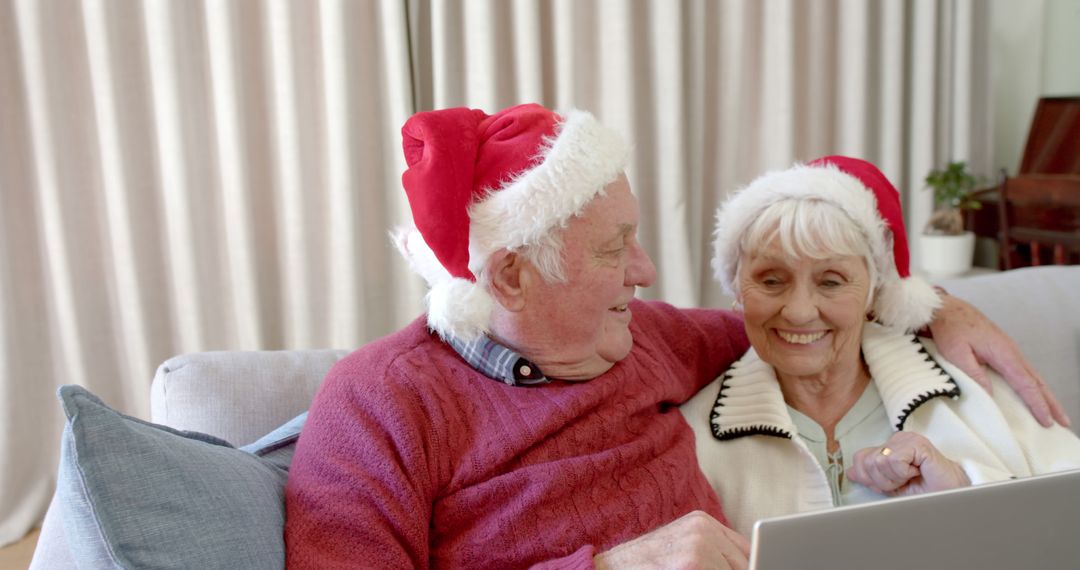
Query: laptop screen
[(1023, 523)]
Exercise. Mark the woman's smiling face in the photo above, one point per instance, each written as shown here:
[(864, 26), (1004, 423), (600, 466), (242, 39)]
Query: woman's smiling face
[(804, 316)]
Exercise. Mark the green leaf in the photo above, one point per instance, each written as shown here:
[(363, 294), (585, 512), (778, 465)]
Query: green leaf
[(953, 186)]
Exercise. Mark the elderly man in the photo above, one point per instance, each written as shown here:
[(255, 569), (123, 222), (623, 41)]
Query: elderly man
[(529, 418)]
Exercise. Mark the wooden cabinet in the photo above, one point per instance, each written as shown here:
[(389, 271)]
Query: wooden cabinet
[(1035, 214)]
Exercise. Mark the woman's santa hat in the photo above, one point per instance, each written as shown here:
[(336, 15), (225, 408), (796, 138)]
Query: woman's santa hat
[(862, 192), (477, 183)]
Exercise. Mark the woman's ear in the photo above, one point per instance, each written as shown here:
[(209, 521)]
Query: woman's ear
[(505, 269)]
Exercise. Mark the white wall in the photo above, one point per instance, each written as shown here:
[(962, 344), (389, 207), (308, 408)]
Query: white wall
[(1035, 52)]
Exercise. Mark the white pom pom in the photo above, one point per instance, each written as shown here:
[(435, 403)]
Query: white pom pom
[(458, 308), (906, 303), (419, 256)]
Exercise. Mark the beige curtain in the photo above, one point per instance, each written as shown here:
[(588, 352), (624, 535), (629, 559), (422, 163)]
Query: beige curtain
[(211, 175)]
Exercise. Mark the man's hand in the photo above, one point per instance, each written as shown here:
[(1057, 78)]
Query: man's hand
[(907, 464), (968, 339), (695, 540)]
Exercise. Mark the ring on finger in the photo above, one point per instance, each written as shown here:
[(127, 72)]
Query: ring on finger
[(886, 451)]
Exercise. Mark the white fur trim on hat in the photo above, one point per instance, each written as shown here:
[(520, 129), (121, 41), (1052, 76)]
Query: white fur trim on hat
[(578, 162), (575, 165), (456, 308), (903, 303), (908, 304)]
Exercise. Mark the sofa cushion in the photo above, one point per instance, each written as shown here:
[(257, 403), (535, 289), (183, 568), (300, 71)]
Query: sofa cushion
[(139, 495)]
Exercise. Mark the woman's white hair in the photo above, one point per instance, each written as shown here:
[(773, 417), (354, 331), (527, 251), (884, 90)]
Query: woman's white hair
[(806, 228), (830, 211)]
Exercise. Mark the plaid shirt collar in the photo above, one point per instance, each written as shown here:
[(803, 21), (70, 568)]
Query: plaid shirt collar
[(499, 362)]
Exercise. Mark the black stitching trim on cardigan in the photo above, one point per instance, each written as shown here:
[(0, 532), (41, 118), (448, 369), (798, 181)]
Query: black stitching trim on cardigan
[(735, 433), (723, 386), (952, 392)]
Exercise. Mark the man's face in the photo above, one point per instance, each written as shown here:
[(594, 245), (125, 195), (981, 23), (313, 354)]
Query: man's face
[(584, 322)]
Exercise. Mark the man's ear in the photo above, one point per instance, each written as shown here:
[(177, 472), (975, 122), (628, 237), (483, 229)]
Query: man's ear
[(505, 269)]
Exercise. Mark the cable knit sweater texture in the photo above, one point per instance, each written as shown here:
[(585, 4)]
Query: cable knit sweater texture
[(410, 458)]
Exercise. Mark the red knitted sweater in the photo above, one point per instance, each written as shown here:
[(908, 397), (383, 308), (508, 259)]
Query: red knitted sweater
[(411, 458)]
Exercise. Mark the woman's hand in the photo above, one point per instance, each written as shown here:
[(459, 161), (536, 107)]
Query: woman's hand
[(907, 464), (968, 339)]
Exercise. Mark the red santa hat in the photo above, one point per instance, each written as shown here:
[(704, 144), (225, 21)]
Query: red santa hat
[(477, 183), (862, 192)]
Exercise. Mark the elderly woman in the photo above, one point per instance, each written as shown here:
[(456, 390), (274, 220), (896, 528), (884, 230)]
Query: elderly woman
[(836, 402)]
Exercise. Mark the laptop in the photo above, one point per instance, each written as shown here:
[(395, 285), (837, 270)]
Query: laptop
[(1023, 523)]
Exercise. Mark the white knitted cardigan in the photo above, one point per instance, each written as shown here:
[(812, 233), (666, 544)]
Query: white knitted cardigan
[(748, 449)]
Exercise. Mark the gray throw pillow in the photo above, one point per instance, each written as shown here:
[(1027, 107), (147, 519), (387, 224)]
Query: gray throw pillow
[(140, 495)]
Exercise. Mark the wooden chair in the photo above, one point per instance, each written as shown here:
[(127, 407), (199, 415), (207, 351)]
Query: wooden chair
[(1033, 215), (1039, 220)]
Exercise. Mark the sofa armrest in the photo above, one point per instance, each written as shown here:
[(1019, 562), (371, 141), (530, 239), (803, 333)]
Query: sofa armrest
[(238, 396)]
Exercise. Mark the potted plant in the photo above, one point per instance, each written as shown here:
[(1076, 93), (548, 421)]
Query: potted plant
[(946, 248)]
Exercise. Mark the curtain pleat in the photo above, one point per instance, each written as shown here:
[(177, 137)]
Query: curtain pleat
[(922, 114), (291, 157), (227, 87), (339, 117), (218, 175), (121, 274)]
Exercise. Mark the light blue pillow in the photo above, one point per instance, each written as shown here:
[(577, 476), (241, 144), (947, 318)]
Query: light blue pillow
[(139, 495)]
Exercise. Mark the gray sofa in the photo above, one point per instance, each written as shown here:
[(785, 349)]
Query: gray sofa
[(239, 396)]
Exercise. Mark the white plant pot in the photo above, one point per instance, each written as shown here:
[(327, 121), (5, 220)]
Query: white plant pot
[(945, 256)]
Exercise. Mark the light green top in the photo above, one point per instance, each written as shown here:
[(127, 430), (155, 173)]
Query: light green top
[(864, 425)]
